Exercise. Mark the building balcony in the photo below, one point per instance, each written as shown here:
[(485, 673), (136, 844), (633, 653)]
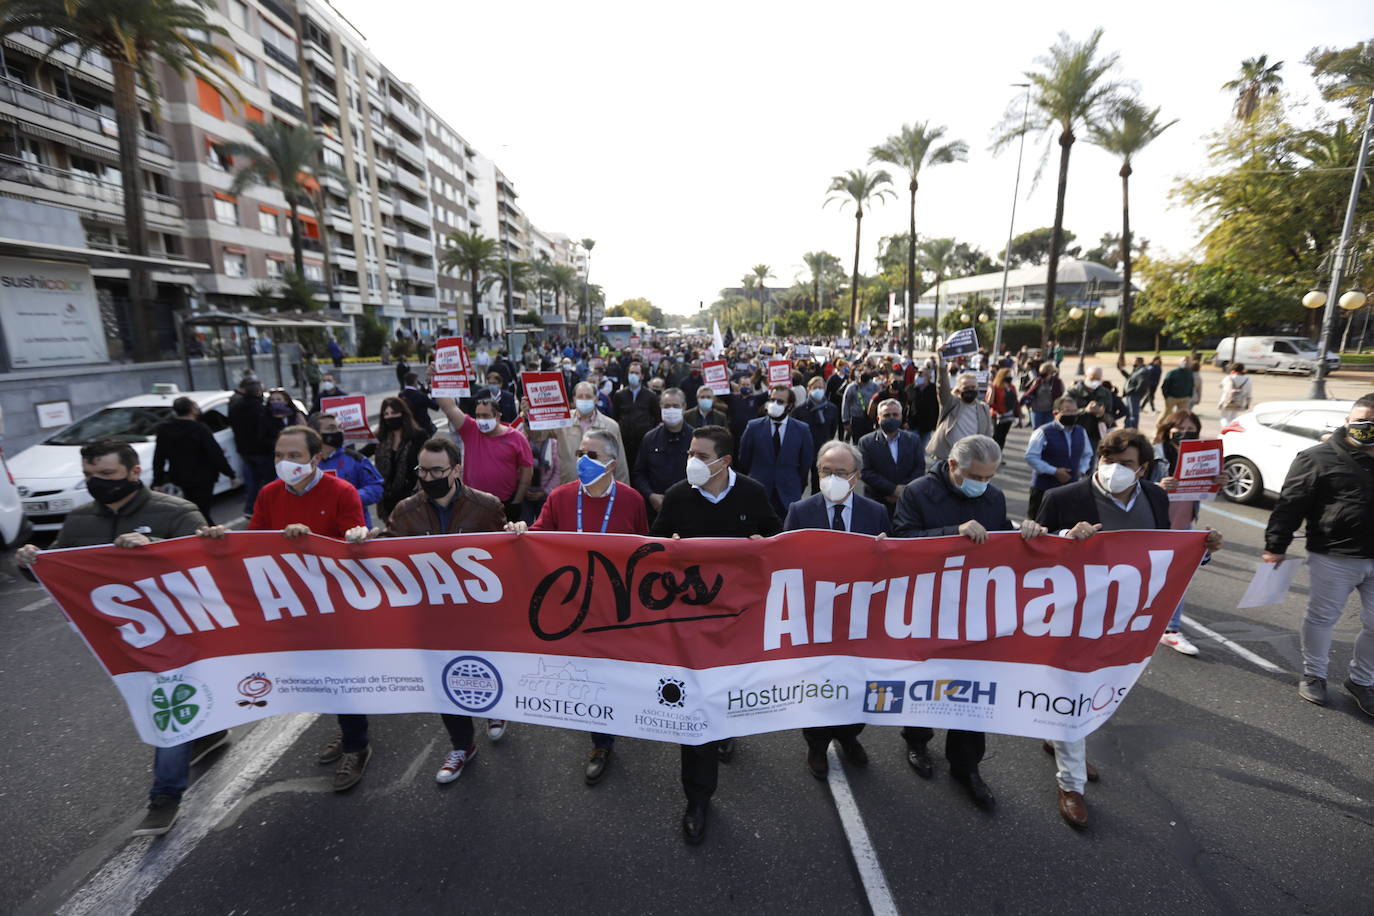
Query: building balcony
[(421, 303), (80, 191), (324, 100), (341, 222), (401, 113), (420, 276), (415, 244), (320, 57), (384, 205), (410, 152), (281, 57), (344, 260), (410, 181), (95, 126), (409, 211), (389, 236), (281, 103)]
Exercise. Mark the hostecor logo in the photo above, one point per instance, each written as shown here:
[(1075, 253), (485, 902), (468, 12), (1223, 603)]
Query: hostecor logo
[(884, 696), (472, 683)]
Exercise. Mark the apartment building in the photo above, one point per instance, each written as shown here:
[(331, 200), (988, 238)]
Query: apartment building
[(453, 203)]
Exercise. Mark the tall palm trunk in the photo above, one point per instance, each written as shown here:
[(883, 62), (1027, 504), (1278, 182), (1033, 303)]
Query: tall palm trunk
[(141, 292), (816, 294), (1057, 238), (854, 282), (475, 324), (911, 276), (1125, 321), (296, 251)]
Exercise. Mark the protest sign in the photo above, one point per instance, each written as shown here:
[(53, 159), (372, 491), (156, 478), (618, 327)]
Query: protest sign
[(801, 351), (1199, 464), (685, 641), (779, 372), (548, 400), (452, 369), (960, 343), (351, 412), (716, 374)]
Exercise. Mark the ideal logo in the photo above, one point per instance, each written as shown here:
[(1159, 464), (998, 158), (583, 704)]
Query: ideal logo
[(884, 696), (178, 703)]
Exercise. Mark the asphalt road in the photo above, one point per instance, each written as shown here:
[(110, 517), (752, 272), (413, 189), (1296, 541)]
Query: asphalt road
[(1221, 792)]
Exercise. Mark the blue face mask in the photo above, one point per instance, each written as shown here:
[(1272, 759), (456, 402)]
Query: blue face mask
[(973, 488), (589, 470)]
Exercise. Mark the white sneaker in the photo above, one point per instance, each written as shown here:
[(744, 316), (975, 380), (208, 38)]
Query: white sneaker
[(1178, 642), (496, 729), (454, 761)]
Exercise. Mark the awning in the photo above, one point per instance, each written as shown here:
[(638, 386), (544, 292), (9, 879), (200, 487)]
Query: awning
[(265, 319), (94, 257)]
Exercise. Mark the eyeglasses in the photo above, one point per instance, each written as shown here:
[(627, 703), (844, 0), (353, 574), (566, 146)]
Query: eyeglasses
[(594, 455), (432, 473)]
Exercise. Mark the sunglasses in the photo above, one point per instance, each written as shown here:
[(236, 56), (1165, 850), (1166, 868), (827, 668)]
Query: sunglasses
[(594, 455)]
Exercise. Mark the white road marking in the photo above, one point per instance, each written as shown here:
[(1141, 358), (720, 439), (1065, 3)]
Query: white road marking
[(880, 900), (1233, 516), (134, 873), (32, 606), (1235, 647)]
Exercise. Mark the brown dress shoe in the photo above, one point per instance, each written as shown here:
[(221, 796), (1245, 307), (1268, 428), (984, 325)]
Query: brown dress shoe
[(817, 763), (1074, 808), (1093, 775)]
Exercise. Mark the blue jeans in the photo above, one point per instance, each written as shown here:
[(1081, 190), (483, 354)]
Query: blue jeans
[(258, 472), (1174, 621), (1133, 411), (1040, 417), (171, 770)]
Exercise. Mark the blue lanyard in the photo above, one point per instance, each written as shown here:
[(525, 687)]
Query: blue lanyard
[(606, 519)]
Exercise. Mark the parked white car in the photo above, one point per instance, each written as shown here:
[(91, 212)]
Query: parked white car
[(1273, 354), (1260, 445), (49, 474)]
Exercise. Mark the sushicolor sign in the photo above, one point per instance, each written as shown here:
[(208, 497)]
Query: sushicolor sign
[(685, 641), (49, 314)]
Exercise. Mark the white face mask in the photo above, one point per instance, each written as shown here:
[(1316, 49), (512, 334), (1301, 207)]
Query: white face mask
[(835, 488), (487, 424), (672, 415), (698, 471), (704, 404), (292, 472), (585, 405), (1115, 478), (1092, 383), (776, 409)]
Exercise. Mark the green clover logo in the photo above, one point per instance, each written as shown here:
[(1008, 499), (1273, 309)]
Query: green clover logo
[(176, 710)]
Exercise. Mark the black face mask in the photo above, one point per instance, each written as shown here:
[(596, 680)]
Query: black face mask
[(969, 395), (1067, 420), (436, 489), (333, 440), (105, 491), (1179, 435), (391, 422)]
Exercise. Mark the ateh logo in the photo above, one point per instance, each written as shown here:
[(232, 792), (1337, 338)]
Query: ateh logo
[(254, 687)]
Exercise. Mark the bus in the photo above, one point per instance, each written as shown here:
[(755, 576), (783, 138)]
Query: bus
[(623, 332)]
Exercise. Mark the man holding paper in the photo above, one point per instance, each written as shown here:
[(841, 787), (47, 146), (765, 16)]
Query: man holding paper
[(1330, 487)]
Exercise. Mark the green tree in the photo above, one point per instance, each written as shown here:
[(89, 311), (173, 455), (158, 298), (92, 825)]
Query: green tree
[(475, 255), (1128, 130), (1032, 248), (587, 305), (1258, 78), (641, 309), (1344, 74), (795, 323), (133, 35), (827, 323), (912, 148), (1195, 302), (282, 156), (562, 280), (823, 266), (1071, 91), (760, 273), (938, 257), (862, 189)]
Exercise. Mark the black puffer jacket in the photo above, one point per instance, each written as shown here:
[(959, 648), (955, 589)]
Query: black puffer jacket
[(1330, 487), (933, 506)]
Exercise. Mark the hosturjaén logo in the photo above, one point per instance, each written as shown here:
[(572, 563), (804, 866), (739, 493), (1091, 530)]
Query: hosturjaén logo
[(884, 696)]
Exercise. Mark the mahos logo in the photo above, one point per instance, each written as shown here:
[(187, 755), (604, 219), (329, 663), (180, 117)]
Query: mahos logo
[(472, 683), (1104, 697)]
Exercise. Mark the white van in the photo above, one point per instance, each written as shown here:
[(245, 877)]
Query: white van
[(1274, 354)]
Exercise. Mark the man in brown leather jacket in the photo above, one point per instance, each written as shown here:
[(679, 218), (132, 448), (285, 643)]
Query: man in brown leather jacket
[(444, 505)]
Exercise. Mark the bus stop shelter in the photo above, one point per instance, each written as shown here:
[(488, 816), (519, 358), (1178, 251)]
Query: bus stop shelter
[(291, 322)]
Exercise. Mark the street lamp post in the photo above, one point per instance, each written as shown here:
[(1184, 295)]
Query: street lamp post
[(1329, 319), (1011, 226), (1075, 313)]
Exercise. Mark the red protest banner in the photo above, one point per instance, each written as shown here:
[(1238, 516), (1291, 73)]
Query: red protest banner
[(1199, 465), (716, 374), (351, 412), (779, 372), (1042, 638), (452, 370), (548, 400)]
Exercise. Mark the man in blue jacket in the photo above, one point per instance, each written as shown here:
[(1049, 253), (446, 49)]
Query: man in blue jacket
[(838, 508), (821, 415), (892, 456), (776, 450), (1059, 452), (345, 464), (957, 498)]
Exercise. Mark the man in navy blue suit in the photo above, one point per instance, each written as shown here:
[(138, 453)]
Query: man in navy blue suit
[(839, 508), (892, 456), (776, 450)]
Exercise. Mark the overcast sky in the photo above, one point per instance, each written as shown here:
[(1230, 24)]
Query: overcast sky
[(695, 141)]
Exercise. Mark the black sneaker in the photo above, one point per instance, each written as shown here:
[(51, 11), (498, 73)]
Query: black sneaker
[(201, 747), (162, 814), (1363, 694), (1313, 689)]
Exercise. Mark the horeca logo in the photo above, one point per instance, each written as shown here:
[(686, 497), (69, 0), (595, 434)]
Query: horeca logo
[(472, 683)]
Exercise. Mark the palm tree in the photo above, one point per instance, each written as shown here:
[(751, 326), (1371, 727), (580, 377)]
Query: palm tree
[(761, 272), (282, 157), (133, 35), (477, 256), (1257, 78), (861, 188), (816, 262), (915, 146), (1071, 91), (587, 246), (562, 280), (1130, 129), (940, 257)]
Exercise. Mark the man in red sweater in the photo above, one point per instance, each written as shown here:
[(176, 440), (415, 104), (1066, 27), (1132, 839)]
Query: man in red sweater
[(305, 500), (595, 502)]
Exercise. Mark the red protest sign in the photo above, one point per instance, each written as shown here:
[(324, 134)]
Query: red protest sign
[(351, 412), (1199, 463), (548, 400), (779, 372), (452, 371), (716, 375)]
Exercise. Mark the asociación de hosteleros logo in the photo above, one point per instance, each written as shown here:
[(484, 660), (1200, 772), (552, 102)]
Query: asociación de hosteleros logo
[(472, 683)]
